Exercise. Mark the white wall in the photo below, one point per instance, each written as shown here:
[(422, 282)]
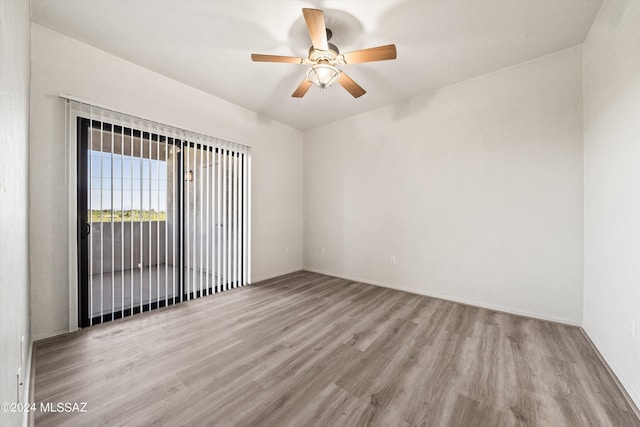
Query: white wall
[(476, 189), (14, 187), (61, 64), (612, 188)]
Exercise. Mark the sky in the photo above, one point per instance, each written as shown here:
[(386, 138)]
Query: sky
[(124, 182)]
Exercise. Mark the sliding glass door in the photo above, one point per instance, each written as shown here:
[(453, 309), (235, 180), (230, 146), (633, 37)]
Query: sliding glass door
[(160, 220), (128, 221)]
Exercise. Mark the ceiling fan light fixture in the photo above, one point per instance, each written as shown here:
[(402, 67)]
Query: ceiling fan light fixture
[(323, 75)]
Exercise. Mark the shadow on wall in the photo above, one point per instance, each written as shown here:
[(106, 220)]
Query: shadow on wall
[(412, 106)]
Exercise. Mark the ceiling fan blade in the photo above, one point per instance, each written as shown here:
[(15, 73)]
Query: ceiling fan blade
[(352, 87), (317, 29), (302, 89), (275, 58), (380, 53)]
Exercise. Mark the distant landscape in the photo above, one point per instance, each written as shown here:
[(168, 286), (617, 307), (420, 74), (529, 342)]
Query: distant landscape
[(127, 215)]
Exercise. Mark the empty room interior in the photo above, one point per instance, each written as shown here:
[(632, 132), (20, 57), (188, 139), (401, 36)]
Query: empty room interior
[(327, 213)]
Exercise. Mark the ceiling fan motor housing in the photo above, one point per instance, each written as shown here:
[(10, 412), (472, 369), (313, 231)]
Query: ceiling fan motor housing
[(332, 48)]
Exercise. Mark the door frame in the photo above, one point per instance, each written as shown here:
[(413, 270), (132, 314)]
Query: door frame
[(82, 239), (80, 307)]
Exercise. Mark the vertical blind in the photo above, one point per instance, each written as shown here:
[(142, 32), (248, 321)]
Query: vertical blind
[(163, 213)]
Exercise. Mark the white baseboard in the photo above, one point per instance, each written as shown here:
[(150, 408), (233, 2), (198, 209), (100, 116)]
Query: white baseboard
[(43, 336), (627, 390), (27, 396), (271, 276), (508, 310)]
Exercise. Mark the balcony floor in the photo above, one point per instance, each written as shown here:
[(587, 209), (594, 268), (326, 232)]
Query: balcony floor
[(156, 282)]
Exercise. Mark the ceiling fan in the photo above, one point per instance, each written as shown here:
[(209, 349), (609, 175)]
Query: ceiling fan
[(324, 56)]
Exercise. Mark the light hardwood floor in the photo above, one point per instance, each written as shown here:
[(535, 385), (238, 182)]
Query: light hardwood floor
[(307, 349)]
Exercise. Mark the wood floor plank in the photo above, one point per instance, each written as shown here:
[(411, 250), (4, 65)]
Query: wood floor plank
[(306, 349)]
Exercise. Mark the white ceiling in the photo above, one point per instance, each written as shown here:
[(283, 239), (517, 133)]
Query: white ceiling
[(207, 44)]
